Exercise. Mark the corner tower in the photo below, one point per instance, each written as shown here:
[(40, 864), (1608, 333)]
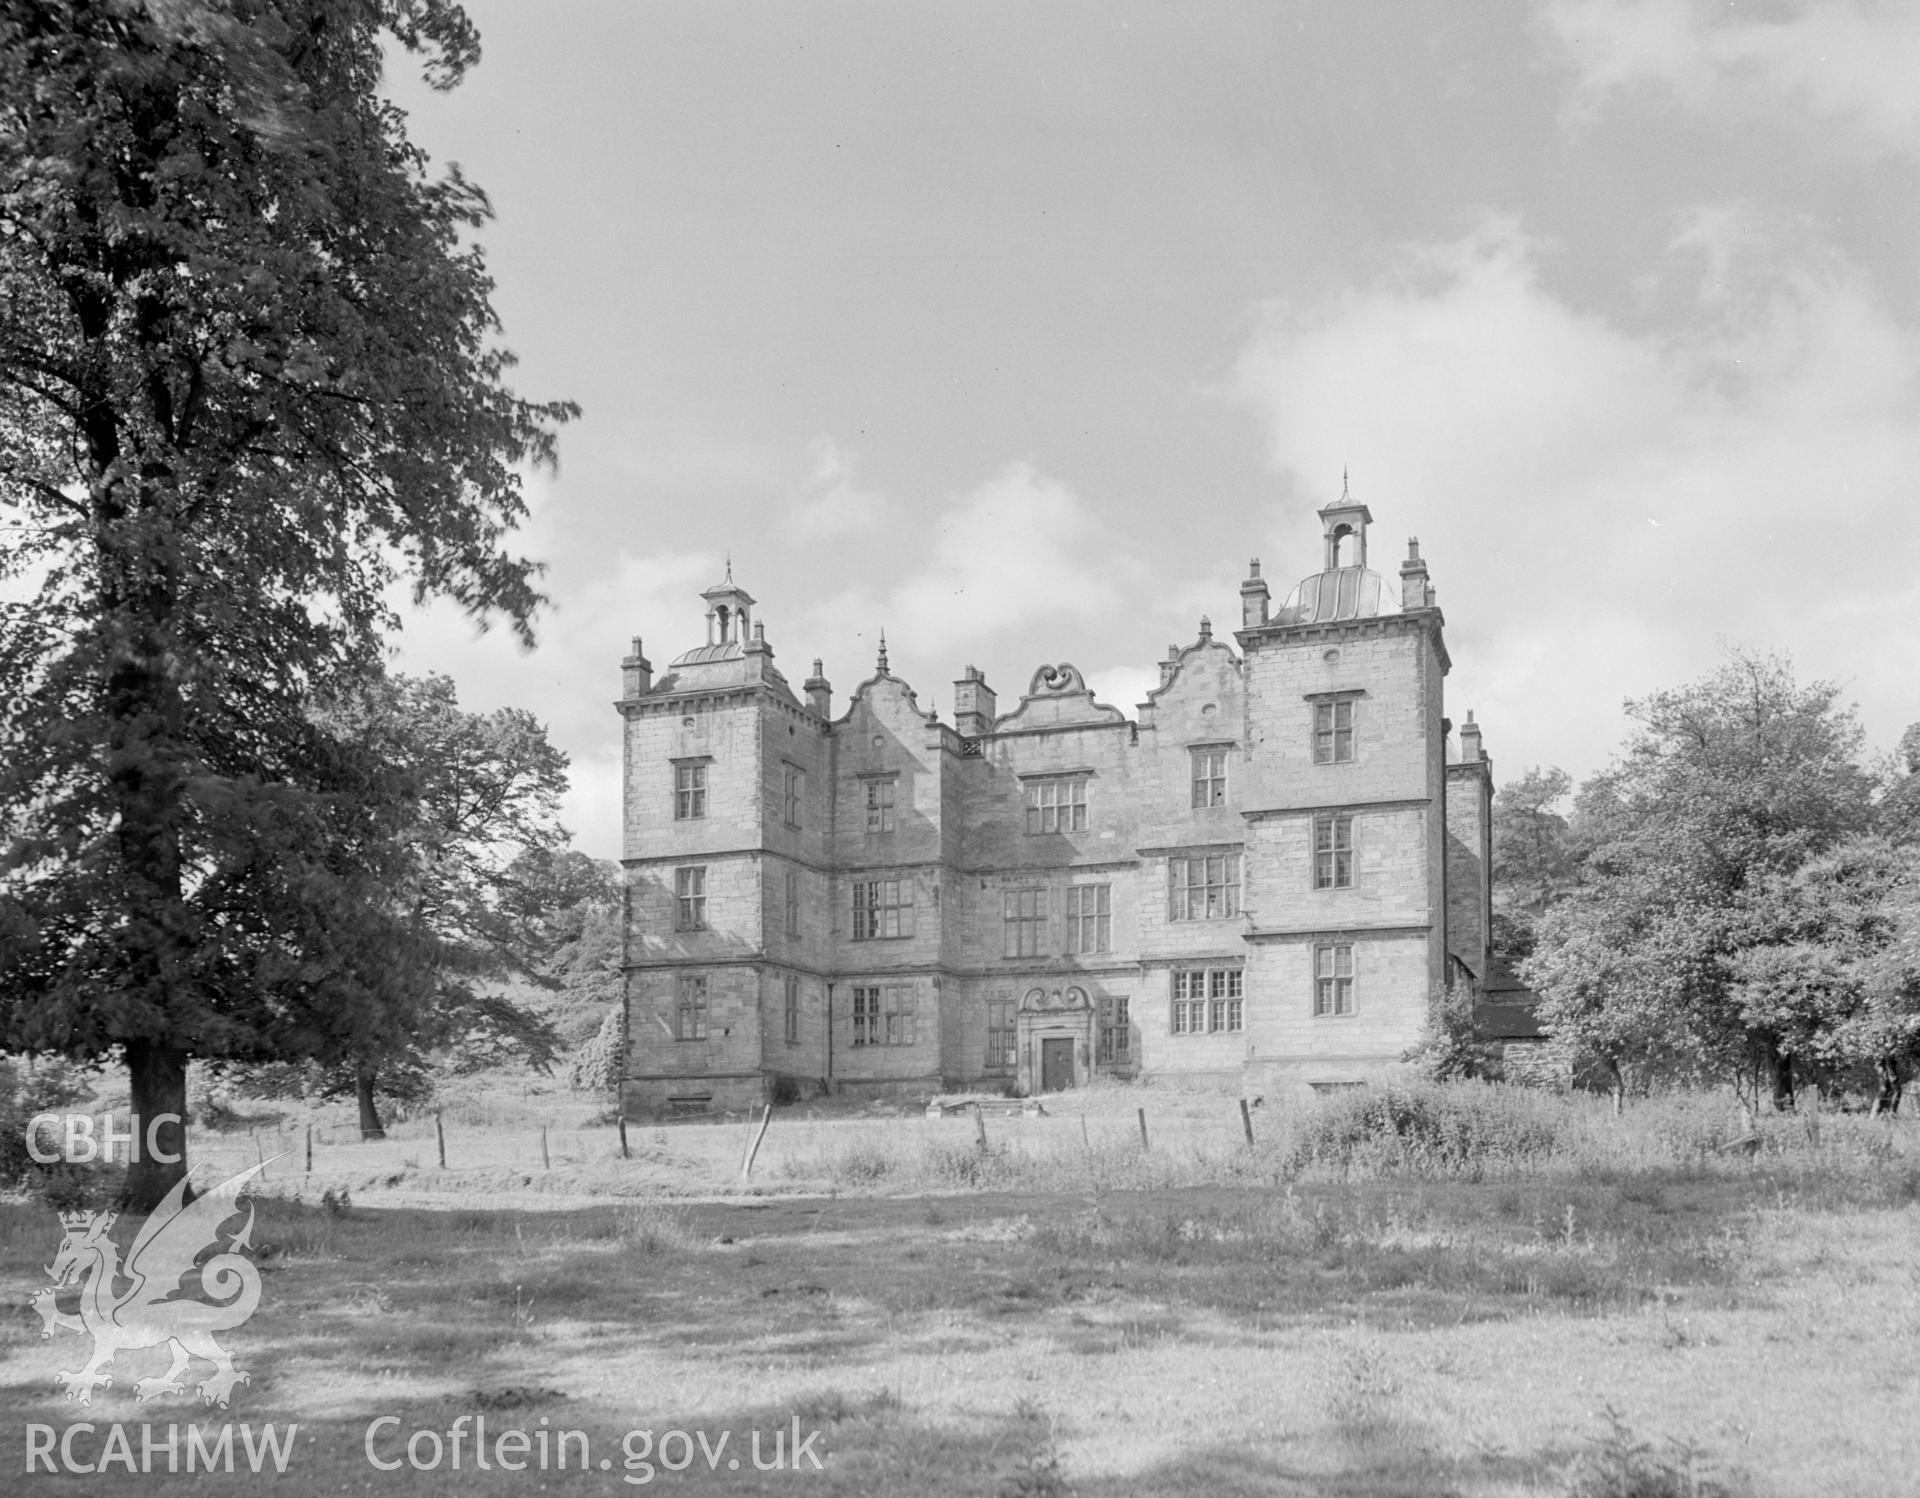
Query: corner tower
[(1345, 805), (725, 810)]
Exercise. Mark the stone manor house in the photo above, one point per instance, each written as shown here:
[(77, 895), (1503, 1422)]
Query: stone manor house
[(1263, 876)]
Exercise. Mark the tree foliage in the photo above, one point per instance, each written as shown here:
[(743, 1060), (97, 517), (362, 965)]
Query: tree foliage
[(1533, 857), (1729, 788), (1532, 848), (483, 874), (247, 380)]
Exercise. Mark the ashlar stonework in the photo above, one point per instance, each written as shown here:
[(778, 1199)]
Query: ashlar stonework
[(1262, 877)]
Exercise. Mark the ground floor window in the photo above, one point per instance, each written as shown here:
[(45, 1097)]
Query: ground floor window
[(1207, 1000), (883, 1015), (793, 1010), (690, 1012), (1000, 1041), (1116, 1035)]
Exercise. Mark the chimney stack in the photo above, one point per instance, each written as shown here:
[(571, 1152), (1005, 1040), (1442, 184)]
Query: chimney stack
[(1415, 591), (1253, 597), (819, 691), (974, 704), (1470, 750), (636, 674)]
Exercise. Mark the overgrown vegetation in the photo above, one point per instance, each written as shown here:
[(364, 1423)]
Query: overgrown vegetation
[(1735, 899)]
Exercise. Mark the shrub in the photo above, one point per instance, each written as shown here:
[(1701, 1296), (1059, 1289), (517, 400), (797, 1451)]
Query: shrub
[(1450, 1048), (596, 1065), (1460, 1127), (49, 1086), (1617, 1463)]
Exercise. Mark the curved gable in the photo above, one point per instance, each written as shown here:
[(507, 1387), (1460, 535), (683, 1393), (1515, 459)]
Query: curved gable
[(1058, 698)]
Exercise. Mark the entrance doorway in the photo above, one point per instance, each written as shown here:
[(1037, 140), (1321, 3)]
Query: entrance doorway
[(1056, 1065)]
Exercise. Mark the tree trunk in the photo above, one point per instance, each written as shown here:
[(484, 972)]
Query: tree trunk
[(370, 1125), (1780, 1065), (158, 1074), (1619, 1087), (1892, 1084)]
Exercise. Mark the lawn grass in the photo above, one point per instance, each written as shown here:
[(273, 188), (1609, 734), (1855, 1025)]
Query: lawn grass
[(1622, 1309)]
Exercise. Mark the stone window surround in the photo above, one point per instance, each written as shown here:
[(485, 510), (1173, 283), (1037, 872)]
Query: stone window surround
[(879, 792), (882, 909), (690, 1007), (690, 897), (1333, 861), (1215, 780), (793, 790), (690, 786), (1206, 999), (1056, 800), (1333, 701), (1337, 1000)]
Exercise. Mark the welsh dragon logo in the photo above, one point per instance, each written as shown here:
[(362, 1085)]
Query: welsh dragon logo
[(146, 1312)]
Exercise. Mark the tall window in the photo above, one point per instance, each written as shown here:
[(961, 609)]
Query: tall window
[(883, 1016), (899, 1015), (866, 1016), (1205, 887), (1116, 1035), (690, 1013), (1089, 918), (690, 899), (1058, 804), (882, 908), (1333, 851), (793, 784), (793, 1011), (880, 805), (1332, 732), (1333, 979), (689, 792), (999, 1034), (1207, 1001), (793, 903), (1209, 777), (1026, 922)]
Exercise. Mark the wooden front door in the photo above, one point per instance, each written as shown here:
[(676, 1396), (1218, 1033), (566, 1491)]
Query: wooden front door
[(1056, 1065)]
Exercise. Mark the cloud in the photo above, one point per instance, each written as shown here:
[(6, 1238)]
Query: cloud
[(1124, 687), (1016, 571), (1831, 62), (573, 678), (1601, 503), (829, 504)]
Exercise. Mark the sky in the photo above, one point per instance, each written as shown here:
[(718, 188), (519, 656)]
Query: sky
[(1016, 330)]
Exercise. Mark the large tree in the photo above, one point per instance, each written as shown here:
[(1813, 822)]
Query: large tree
[(247, 379), (1729, 786), (483, 874)]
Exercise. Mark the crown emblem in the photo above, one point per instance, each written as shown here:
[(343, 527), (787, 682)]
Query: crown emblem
[(79, 1222)]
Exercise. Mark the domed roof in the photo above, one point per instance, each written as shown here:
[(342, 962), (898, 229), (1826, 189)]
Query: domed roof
[(701, 655), (1342, 593)]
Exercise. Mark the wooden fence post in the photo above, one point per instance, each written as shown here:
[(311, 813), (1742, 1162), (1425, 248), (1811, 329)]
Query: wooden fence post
[(309, 1149), (980, 1126), (746, 1145), (546, 1160), (1143, 1130), (625, 1153), (1246, 1122), (753, 1152), (440, 1138)]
